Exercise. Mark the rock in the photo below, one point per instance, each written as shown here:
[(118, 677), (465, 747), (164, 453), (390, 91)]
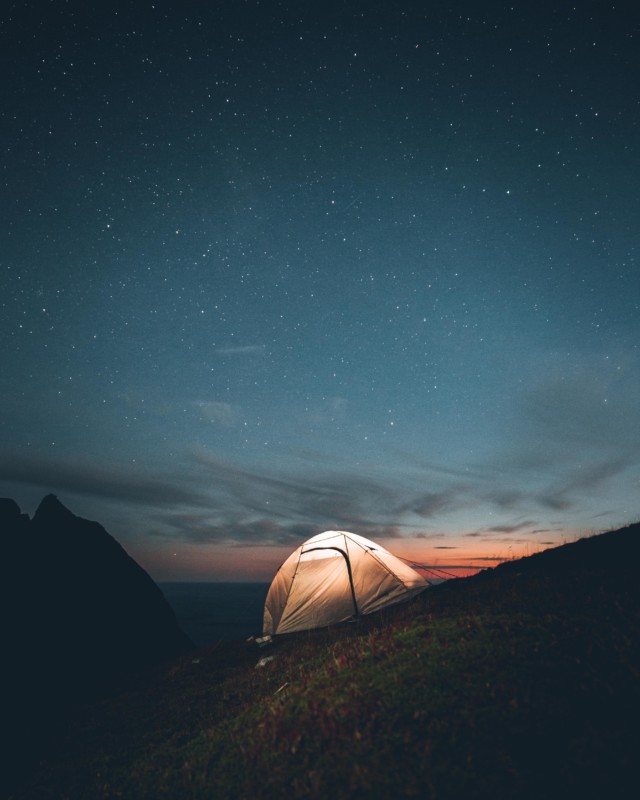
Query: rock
[(81, 613)]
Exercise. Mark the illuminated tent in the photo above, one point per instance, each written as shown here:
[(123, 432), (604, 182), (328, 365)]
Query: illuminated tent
[(334, 577)]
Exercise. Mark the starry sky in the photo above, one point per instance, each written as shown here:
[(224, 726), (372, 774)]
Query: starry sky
[(271, 268)]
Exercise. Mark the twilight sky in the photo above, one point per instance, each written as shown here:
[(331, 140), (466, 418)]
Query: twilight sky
[(270, 268)]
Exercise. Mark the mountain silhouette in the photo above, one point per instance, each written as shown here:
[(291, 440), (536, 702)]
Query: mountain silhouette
[(79, 601), (80, 615)]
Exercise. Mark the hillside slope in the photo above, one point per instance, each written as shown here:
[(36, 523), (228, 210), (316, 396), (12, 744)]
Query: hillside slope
[(521, 682)]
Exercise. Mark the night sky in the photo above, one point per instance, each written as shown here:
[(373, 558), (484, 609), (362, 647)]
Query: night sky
[(271, 268)]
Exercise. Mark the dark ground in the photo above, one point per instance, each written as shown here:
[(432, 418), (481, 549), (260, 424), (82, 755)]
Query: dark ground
[(521, 682)]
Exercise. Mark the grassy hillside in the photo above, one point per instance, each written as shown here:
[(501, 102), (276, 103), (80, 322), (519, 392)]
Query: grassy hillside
[(522, 681)]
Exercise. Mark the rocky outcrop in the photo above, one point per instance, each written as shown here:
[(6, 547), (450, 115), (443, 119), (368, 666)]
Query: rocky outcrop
[(80, 614)]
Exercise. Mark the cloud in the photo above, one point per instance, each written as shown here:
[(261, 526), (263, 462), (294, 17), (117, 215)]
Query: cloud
[(208, 499), (491, 559), (431, 504), (491, 533), (218, 412), (255, 505), (104, 480), (211, 529), (510, 528), (571, 435), (222, 501), (582, 480), (241, 350), (332, 410), (543, 530), (465, 473), (301, 504), (588, 408), (505, 497)]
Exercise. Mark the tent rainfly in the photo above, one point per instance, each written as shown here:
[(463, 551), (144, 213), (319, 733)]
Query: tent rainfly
[(334, 577)]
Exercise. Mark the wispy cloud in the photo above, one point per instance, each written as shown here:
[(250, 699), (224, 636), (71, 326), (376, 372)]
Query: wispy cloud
[(581, 480), (214, 528), (241, 350), (591, 408), (572, 435), (111, 481), (218, 412), (315, 502), (431, 504), (551, 464), (519, 526)]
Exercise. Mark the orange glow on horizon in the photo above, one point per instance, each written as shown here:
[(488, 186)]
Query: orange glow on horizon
[(259, 563), (461, 560)]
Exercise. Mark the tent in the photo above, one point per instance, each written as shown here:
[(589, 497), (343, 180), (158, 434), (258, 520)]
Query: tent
[(334, 577)]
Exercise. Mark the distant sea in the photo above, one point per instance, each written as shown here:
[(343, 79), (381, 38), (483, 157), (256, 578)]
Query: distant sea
[(208, 612)]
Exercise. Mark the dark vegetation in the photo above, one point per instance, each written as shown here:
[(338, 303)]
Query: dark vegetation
[(521, 682)]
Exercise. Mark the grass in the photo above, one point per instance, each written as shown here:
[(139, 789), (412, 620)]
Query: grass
[(510, 684)]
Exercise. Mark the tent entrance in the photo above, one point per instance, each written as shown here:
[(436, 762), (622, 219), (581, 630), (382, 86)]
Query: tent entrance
[(332, 600), (341, 552)]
